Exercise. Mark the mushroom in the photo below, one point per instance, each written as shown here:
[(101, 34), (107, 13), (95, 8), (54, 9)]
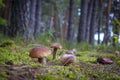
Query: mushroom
[(117, 53), (70, 52), (68, 58), (40, 53), (104, 60), (55, 47)]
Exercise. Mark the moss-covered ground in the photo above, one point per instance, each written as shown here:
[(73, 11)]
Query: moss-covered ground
[(15, 63)]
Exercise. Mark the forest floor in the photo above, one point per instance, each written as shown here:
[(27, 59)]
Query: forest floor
[(15, 64)]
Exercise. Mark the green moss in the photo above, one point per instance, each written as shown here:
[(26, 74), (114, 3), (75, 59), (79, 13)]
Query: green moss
[(49, 77), (102, 75), (4, 54), (17, 58), (85, 52), (71, 76), (3, 76), (87, 59), (83, 77), (113, 77), (118, 63), (7, 43), (91, 56), (112, 56)]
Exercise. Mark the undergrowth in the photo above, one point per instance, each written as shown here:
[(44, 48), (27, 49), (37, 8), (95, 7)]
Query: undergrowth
[(86, 68)]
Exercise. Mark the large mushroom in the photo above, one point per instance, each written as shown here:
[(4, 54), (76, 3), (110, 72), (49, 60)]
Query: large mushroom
[(55, 47), (68, 58), (40, 53)]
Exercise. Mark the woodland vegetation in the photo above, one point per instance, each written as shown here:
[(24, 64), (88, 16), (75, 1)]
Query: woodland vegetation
[(26, 24)]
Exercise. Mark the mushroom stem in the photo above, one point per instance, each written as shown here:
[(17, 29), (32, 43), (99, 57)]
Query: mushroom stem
[(54, 53), (42, 60)]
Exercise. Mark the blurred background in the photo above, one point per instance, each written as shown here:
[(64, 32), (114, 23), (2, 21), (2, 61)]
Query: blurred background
[(89, 21)]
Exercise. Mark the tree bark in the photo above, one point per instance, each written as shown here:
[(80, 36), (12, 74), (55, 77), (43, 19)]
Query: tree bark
[(107, 33), (93, 22), (70, 22), (82, 21), (101, 8), (38, 18), (6, 15), (13, 28), (55, 20), (32, 19), (89, 16), (65, 24), (25, 18)]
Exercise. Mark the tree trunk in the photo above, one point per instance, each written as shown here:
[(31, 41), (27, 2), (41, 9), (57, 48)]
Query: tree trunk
[(38, 18), (89, 16), (25, 18), (6, 15), (107, 33), (70, 22), (93, 22), (101, 8), (66, 24), (82, 21), (32, 19), (55, 20), (14, 28)]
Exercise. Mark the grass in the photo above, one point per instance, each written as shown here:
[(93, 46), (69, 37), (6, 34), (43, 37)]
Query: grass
[(86, 68)]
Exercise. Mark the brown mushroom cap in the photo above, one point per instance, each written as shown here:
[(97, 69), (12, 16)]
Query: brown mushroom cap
[(40, 52), (56, 45), (69, 52)]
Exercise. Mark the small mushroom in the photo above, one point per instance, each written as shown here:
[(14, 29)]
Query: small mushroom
[(69, 52), (117, 53), (68, 58), (55, 47), (40, 53)]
